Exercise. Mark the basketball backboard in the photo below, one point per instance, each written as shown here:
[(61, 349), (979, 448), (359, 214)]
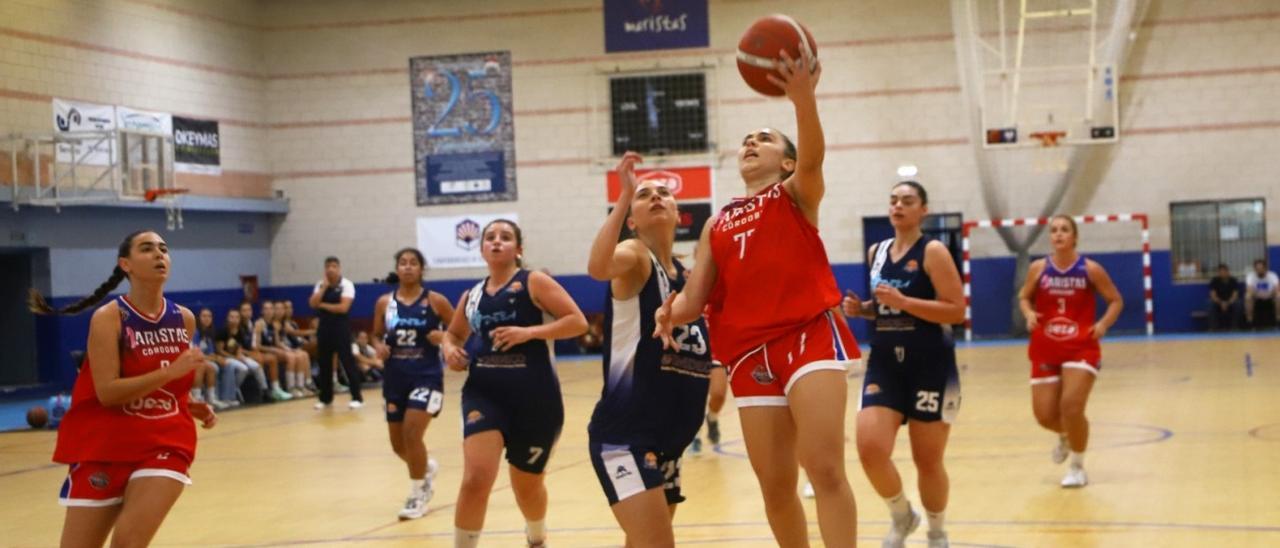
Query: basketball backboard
[(1044, 69)]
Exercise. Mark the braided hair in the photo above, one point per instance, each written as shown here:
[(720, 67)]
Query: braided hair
[(39, 305)]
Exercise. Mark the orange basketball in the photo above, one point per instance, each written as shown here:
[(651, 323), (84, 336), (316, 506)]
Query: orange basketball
[(758, 49), (37, 417)]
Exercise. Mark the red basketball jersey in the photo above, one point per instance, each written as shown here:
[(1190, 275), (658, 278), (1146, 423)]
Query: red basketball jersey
[(1067, 305), (134, 431), (772, 272)]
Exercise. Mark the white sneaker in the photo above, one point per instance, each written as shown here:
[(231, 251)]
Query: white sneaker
[(808, 490), (416, 505), (938, 539), (355, 404), (218, 404), (1075, 477), (320, 406), (1062, 450), (900, 529), (280, 395)]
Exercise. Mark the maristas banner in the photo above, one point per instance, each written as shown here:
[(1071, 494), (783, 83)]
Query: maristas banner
[(640, 25)]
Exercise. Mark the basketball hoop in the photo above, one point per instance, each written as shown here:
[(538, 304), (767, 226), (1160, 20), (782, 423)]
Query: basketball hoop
[(1051, 158), (172, 207)]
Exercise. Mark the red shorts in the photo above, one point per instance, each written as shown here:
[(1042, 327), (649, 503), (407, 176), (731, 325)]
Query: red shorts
[(103, 483), (764, 375), (1043, 373)]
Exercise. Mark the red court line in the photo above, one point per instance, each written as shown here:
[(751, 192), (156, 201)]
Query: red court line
[(76, 44)]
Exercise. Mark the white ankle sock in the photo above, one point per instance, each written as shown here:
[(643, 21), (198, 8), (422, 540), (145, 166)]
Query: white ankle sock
[(275, 385), (1077, 459), (713, 417), (463, 538), (417, 485), (935, 519), (899, 506), (536, 530)]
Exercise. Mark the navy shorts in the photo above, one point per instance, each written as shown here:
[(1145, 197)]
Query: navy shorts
[(529, 425), (919, 381), (403, 391), (625, 471)]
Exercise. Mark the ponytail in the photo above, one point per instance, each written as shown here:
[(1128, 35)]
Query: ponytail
[(37, 303), (391, 279)]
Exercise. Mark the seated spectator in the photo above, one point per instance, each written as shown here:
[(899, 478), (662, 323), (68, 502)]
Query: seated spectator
[(227, 345), (1224, 291), (249, 343), (267, 331), (299, 339), (205, 340), (299, 357), (366, 357), (1260, 296)]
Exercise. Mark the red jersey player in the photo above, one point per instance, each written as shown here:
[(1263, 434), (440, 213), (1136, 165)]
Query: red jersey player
[(1064, 352), (762, 268), (129, 435)]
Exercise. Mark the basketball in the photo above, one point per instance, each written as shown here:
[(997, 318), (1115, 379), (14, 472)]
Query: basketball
[(758, 49), (37, 417)]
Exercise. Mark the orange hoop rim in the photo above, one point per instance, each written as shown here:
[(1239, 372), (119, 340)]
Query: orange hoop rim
[(156, 193), (1048, 138)]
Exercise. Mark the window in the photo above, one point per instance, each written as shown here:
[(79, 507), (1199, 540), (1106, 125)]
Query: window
[(659, 114), (1205, 234)]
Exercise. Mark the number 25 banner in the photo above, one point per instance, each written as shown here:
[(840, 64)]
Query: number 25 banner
[(463, 132)]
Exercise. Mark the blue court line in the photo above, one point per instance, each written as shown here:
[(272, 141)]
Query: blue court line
[(1139, 338)]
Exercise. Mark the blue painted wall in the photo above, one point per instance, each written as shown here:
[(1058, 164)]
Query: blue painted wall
[(76, 250), (992, 301)]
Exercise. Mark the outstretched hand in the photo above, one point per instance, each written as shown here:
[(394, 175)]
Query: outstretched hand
[(796, 77), (627, 175)]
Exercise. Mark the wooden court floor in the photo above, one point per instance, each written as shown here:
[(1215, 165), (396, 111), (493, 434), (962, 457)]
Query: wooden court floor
[(1185, 452)]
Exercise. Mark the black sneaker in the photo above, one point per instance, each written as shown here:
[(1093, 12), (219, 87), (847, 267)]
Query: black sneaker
[(713, 432)]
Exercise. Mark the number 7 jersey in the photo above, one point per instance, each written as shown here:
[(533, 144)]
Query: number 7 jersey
[(772, 272)]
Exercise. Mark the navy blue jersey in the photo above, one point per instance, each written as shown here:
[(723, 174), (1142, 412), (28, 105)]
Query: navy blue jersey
[(650, 396), (895, 327), (407, 327), (515, 369), (245, 336), (268, 337)]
